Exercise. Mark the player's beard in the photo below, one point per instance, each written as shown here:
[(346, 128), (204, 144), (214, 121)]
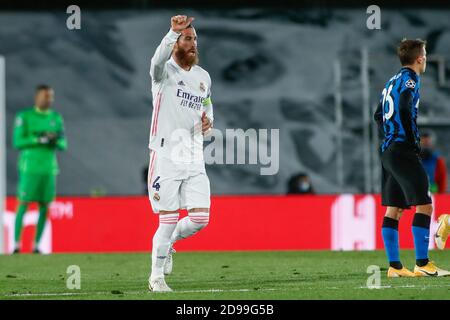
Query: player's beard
[(185, 58)]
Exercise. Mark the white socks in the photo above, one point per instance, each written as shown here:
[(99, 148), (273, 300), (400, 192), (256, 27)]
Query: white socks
[(171, 230), (190, 225), (161, 243)]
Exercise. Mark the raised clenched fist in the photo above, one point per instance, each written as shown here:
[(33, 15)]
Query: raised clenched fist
[(179, 23)]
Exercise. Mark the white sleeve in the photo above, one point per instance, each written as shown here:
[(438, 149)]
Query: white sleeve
[(209, 111), (207, 103), (162, 54)]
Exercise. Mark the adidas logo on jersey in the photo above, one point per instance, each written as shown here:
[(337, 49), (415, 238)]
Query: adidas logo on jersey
[(181, 83)]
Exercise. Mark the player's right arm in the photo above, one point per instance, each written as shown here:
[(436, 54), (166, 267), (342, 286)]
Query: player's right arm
[(405, 109), (22, 138), (164, 50)]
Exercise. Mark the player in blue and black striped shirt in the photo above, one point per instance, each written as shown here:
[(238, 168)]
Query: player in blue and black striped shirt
[(397, 111), (404, 180)]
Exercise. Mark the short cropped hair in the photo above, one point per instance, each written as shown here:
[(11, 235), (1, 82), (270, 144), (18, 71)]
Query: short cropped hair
[(42, 87), (409, 50)]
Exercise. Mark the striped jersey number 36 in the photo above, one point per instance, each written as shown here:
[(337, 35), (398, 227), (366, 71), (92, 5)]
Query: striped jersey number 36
[(388, 98)]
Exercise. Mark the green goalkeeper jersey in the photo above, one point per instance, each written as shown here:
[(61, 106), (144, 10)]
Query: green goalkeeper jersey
[(38, 155)]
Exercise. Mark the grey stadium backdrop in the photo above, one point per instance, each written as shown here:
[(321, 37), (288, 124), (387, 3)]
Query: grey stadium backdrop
[(270, 69)]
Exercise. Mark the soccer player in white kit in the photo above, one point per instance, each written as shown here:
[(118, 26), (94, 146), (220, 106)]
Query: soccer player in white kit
[(182, 114)]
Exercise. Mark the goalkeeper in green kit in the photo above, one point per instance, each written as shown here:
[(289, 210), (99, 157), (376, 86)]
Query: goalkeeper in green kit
[(38, 134)]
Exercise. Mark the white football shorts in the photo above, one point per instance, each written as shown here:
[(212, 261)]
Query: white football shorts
[(173, 186)]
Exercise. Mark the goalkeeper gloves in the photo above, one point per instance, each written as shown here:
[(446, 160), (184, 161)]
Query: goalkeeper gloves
[(48, 138)]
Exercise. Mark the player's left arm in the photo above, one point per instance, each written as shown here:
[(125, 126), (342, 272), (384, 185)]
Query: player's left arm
[(207, 119), (208, 115), (378, 117), (207, 104), (61, 141)]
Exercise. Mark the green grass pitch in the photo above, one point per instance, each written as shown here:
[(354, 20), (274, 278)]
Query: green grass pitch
[(218, 275)]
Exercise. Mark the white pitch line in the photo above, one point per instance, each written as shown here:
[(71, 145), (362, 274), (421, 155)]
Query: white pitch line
[(408, 286), (48, 294), (224, 290), (55, 294)]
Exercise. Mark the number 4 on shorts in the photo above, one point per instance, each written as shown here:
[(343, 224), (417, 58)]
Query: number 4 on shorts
[(155, 184)]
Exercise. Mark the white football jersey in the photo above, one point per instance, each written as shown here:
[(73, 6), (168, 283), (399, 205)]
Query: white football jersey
[(179, 99)]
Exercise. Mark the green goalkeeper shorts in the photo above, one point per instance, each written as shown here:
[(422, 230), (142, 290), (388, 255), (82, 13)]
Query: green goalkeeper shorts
[(34, 187)]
